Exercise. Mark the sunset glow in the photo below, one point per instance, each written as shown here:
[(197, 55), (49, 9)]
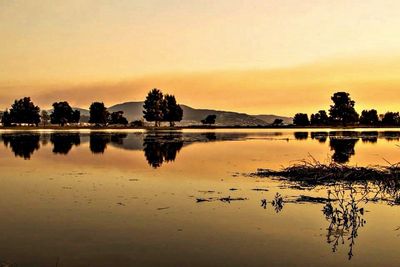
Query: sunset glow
[(250, 56)]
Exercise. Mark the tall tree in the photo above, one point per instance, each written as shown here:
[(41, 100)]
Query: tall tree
[(172, 111), (63, 113), (369, 117), (319, 118), (154, 106), (301, 119), (98, 113), (342, 111), (24, 111), (118, 118)]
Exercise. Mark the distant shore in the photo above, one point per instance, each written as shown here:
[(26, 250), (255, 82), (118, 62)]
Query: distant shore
[(112, 127)]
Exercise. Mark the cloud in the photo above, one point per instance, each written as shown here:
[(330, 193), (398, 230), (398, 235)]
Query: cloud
[(306, 88)]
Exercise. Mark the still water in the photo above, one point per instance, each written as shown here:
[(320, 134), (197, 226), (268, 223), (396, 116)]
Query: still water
[(185, 198)]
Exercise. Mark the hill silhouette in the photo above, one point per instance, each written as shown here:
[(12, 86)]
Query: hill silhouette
[(134, 111)]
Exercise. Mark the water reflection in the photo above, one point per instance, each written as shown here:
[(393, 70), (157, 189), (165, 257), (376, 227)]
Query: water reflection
[(343, 143), (344, 215), (342, 210), (62, 143), (343, 149), (161, 147), (98, 141), (23, 145)]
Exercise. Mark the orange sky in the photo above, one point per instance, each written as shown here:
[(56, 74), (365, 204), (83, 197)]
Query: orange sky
[(254, 56)]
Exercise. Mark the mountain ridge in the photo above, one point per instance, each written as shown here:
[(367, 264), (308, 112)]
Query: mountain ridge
[(133, 110)]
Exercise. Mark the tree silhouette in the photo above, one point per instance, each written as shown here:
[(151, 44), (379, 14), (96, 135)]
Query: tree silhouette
[(319, 118), (118, 118), (277, 122), (172, 111), (301, 119), (6, 119), (63, 142), (342, 111), (391, 118), (24, 111), (209, 120), (369, 117), (98, 113), (22, 145), (63, 113), (154, 106)]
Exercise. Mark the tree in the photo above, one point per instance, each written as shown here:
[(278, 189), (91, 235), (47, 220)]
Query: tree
[(301, 119), (137, 123), (24, 111), (319, 118), (44, 117), (76, 116), (369, 117), (154, 107), (63, 113), (172, 111), (6, 119), (342, 111), (98, 113), (210, 119), (391, 118), (277, 122), (118, 118)]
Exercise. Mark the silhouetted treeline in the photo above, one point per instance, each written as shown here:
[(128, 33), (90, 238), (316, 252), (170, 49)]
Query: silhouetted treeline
[(343, 113), (157, 108)]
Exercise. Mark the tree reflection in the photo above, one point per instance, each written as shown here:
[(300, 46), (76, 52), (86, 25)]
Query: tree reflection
[(369, 137), (320, 136), (301, 135), (343, 148), (23, 145), (62, 143), (160, 147), (98, 141)]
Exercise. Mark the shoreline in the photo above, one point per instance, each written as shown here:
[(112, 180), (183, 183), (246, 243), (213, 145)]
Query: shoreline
[(54, 127)]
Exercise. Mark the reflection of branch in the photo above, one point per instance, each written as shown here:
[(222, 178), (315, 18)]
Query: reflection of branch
[(344, 216), (278, 203)]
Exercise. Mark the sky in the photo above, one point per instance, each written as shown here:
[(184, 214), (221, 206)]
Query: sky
[(253, 56)]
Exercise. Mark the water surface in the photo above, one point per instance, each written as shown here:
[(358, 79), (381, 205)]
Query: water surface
[(131, 198)]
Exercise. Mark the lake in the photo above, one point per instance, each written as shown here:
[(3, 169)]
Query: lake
[(187, 198)]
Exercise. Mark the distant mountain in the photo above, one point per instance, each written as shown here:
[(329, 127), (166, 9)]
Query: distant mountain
[(134, 111), (271, 118)]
